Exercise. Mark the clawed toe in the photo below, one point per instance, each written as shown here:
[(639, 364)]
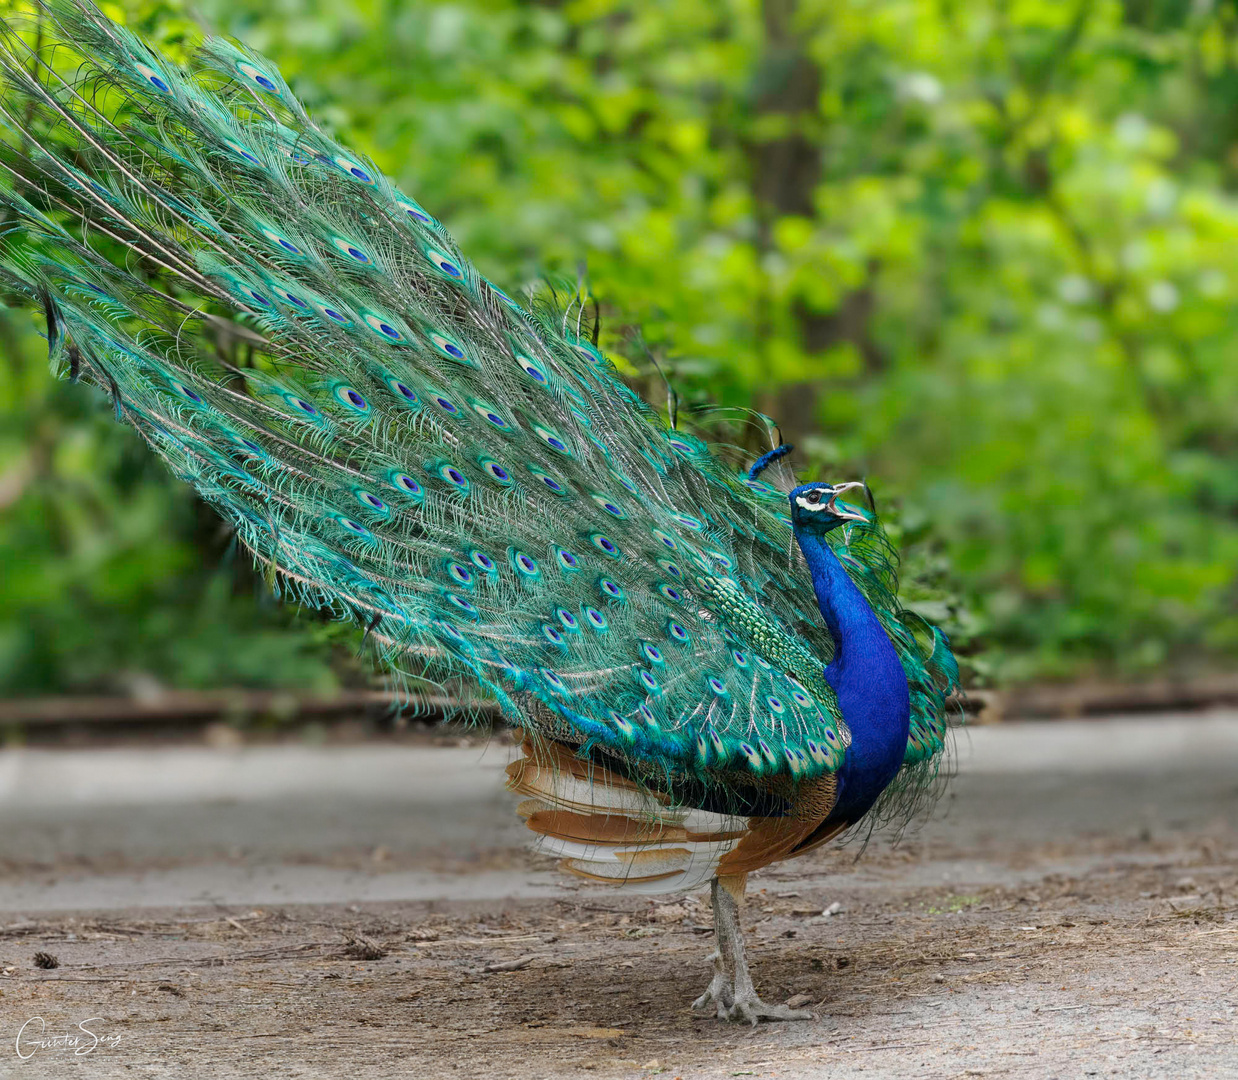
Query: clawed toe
[(716, 993), (720, 994), (720, 1001), (754, 1010)]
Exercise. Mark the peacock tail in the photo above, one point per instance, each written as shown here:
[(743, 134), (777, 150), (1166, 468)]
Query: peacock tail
[(465, 476)]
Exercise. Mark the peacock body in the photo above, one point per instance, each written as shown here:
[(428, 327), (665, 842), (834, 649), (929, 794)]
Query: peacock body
[(464, 475)]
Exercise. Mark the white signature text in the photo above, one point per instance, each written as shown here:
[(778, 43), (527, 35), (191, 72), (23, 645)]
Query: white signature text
[(32, 1037)]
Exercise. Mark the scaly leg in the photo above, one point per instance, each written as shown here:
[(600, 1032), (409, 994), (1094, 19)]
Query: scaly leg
[(721, 990), (732, 966)]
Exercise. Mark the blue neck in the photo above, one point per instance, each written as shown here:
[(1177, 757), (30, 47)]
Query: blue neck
[(868, 678)]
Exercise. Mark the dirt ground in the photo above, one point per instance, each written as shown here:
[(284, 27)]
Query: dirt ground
[(1072, 913)]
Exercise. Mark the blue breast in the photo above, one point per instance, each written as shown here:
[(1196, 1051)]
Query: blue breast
[(868, 678), (877, 708)]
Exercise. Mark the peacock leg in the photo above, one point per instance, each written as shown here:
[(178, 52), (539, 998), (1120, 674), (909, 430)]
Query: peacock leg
[(721, 992), (744, 1004)]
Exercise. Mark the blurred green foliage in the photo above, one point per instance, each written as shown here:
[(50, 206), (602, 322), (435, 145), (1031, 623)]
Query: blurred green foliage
[(981, 252), (115, 577)]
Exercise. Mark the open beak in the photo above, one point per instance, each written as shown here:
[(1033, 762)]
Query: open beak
[(844, 511)]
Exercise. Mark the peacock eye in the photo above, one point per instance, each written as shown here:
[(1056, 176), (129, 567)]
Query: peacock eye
[(814, 497)]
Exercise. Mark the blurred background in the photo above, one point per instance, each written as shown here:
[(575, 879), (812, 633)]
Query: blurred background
[(983, 253)]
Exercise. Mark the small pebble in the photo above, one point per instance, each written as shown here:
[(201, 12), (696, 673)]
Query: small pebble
[(830, 912)]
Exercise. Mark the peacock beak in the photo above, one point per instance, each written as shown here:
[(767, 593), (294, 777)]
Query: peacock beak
[(843, 511)]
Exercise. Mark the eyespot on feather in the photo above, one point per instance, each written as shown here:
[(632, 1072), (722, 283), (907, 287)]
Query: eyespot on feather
[(414, 211), (609, 505), (154, 78), (496, 472), (553, 439), (333, 313), (242, 152), (492, 416), (258, 77), (354, 527), (280, 241), (610, 590), (524, 564), (371, 502), (532, 369), (451, 348), (404, 393), (351, 398), (549, 483), (385, 327), (444, 263), (351, 250), (190, 395), (353, 169), (454, 478)]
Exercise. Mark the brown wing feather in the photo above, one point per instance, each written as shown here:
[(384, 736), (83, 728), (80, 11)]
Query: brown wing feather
[(606, 827)]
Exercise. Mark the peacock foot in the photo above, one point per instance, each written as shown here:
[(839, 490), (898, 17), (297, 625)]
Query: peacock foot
[(732, 992), (721, 992), (751, 1008)]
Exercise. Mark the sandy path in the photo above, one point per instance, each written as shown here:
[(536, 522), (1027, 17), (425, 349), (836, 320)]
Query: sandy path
[(1073, 913)]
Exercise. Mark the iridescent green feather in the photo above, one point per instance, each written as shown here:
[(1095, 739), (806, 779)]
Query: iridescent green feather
[(465, 477)]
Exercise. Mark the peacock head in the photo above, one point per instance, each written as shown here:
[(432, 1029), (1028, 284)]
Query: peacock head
[(818, 508)]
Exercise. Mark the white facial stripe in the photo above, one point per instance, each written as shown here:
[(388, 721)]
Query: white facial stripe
[(802, 502)]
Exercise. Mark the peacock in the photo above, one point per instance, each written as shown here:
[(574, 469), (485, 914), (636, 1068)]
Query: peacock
[(707, 671)]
